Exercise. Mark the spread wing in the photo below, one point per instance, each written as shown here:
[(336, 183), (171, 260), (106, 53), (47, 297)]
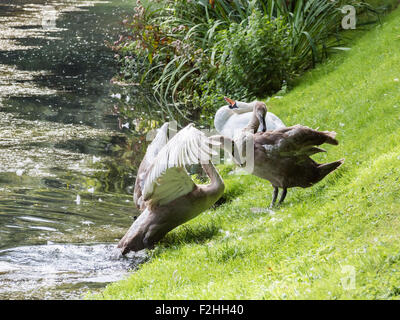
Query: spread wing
[(295, 140), (302, 139), (153, 149), (167, 178)]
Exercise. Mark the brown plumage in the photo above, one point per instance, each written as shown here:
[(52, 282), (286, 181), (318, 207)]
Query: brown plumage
[(164, 191), (282, 156)]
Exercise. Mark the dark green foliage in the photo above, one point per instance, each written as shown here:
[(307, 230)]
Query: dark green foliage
[(195, 52), (255, 57)]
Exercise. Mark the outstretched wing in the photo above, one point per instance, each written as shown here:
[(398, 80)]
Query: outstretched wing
[(167, 178), (153, 149), (296, 140), (303, 140)]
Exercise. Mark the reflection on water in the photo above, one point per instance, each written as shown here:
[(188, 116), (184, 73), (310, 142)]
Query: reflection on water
[(56, 129), (60, 74)]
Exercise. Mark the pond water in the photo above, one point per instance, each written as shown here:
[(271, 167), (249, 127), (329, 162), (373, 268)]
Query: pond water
[(58, 225)]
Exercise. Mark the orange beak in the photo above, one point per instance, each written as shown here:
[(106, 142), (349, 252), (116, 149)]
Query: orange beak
[(230, 101)]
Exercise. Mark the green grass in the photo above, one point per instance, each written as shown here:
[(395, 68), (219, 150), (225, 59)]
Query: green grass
[(351, 218)]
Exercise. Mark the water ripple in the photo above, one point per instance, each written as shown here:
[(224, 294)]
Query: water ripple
[(51, 271)]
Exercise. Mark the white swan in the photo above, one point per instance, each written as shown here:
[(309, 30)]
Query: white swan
[(165, 192), (231, 119)]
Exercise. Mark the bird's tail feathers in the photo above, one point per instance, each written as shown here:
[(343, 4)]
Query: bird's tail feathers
[(326, 168), (330, 137)]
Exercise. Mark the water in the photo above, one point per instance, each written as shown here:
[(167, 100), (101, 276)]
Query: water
[(59, 224), (61, 271)]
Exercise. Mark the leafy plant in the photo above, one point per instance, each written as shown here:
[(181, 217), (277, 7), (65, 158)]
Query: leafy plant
[(255, 57), (192, 53)]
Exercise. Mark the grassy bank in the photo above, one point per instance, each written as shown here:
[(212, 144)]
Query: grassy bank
[(349, 221)]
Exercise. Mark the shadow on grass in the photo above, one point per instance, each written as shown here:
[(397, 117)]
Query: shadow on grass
[(185, 234), (323, 189), (233, 189)]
